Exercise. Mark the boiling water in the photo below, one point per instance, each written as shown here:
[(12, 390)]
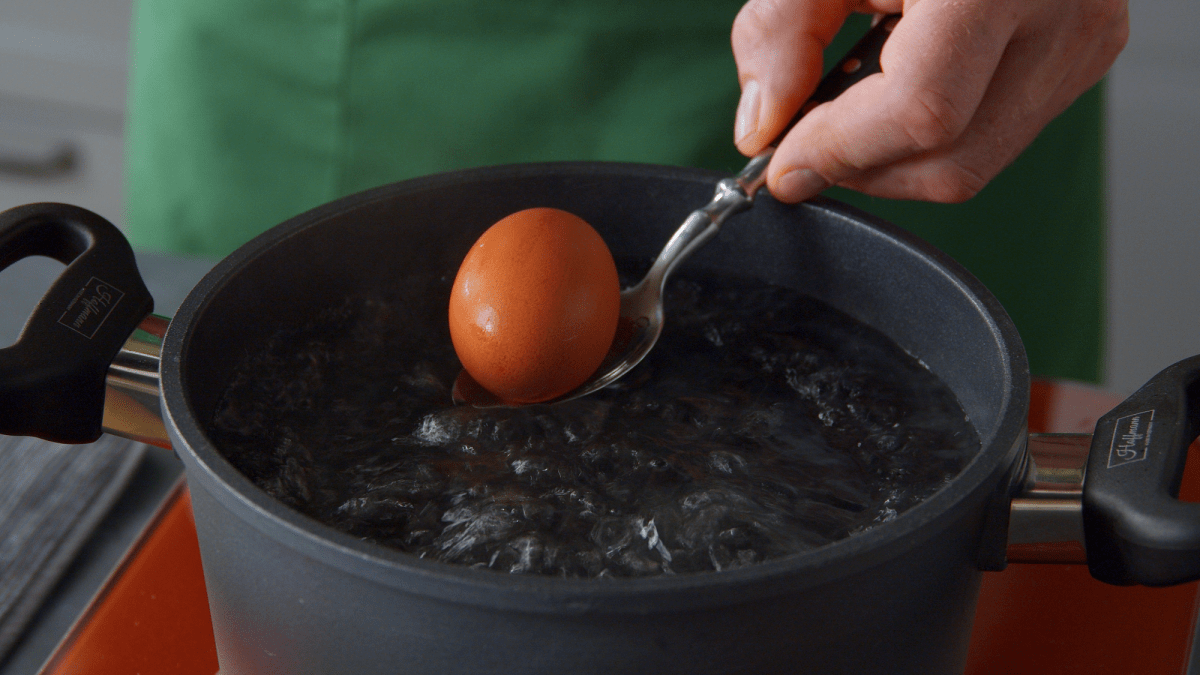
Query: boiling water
[(763, 424)]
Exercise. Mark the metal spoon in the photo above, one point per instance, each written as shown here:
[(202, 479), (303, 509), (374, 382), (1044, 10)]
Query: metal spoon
[(641, 320)]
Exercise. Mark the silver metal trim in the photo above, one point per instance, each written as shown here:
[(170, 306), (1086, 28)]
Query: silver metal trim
[(132, 392), (1046, 518)]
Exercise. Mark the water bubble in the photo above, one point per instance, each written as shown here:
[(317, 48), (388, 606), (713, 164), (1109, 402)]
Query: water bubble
[(803, 428)]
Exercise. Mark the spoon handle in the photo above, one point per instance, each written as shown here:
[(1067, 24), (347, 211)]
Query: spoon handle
[(736, 193)]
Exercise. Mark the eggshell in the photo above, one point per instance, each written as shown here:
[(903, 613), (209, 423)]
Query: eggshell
[(535, 305)]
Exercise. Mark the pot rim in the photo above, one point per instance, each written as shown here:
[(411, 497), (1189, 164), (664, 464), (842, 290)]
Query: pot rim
[(207, 469)]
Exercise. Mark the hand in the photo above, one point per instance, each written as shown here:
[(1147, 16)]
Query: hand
[(966, 86)]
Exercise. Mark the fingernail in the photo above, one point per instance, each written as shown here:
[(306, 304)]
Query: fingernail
[(800, 184), (747, 111)]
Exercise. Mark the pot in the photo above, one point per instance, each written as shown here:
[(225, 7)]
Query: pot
[(290, 595)]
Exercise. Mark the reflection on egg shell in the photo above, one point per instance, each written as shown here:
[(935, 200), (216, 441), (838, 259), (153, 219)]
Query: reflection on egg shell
[(535, 305)]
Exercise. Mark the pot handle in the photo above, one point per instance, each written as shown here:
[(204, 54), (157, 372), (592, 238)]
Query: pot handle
[(1135, 528), (52, 379)]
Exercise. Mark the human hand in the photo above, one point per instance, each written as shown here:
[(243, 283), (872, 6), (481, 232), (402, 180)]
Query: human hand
[(966, 86)]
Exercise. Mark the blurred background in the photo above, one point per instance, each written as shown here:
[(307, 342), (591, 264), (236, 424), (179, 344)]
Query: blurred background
[(62, 99)]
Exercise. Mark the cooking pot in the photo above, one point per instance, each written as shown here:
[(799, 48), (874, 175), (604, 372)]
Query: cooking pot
[(291, 595)]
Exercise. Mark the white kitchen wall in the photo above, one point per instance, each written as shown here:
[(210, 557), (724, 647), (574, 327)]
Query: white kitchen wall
[(1154, 188), (63, 71)]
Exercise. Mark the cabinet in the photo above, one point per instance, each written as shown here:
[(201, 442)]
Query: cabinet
[(63, 66)]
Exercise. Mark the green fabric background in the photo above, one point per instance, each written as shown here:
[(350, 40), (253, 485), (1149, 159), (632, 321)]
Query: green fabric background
[(243, 113)]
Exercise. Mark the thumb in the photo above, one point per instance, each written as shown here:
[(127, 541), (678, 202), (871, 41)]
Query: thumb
[(778, 46)]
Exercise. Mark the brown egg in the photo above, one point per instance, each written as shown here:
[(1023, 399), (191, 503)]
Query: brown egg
[(535, 305)]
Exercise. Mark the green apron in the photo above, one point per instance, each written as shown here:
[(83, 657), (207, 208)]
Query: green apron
[(244, 113)]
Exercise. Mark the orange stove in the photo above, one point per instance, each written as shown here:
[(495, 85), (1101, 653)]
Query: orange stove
[(151, 616)]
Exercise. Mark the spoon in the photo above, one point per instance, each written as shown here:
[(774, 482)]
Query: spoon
[(641, 319)]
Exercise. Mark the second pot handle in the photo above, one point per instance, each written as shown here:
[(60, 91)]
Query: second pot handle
[(52, 378), (1136, 529)]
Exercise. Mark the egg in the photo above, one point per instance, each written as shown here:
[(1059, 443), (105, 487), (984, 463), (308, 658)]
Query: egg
[(535, 305)]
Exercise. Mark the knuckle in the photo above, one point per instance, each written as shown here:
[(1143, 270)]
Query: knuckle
[(1119, 34), (753, 22), (1106, 20), (952, 182), (1104, 12), (837, 158), (930, 119)]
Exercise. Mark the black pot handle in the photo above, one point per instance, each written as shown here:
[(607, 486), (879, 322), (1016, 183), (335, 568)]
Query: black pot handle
[(52, 377), (1136, 529)]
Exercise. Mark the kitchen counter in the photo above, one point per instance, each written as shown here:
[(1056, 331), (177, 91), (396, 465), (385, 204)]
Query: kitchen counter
[(169, 279)]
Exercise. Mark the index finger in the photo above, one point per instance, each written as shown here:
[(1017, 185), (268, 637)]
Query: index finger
[(778, 46)]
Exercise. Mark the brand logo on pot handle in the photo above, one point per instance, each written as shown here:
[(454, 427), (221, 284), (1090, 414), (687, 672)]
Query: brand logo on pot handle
[(90, 307), (1131, 438)]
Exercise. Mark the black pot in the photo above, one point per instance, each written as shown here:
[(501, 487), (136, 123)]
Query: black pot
[(291, 595)]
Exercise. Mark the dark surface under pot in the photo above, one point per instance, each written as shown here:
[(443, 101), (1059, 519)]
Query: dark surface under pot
[(896, 599)]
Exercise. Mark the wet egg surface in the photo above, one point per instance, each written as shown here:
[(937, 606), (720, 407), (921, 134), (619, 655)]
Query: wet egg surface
[(534, 306)]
